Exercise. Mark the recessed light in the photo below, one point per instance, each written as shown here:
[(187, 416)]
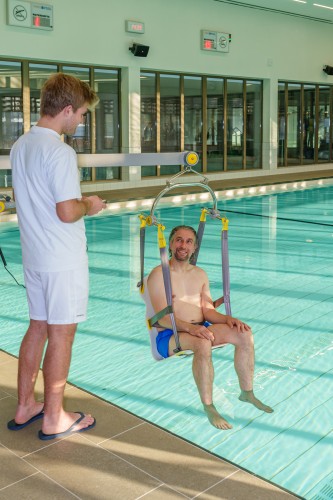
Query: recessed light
[(323, 6)]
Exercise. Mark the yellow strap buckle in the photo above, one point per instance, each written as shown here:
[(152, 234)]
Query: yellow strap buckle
[(203, 215), (160, 236), (225, 223), (143, 221)]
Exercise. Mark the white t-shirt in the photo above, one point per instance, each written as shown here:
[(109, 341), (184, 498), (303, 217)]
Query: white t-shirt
[(45, 172)]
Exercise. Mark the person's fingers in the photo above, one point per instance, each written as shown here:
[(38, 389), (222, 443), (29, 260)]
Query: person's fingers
[(203, 333), (230, 322)]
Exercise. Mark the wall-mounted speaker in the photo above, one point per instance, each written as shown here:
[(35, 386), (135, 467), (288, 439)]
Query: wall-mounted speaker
[(139, 50), (328, 69)]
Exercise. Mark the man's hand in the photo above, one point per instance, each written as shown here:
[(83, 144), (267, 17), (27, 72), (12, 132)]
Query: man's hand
[(200, 331), (72, 210), (241, 327), (94, 204)]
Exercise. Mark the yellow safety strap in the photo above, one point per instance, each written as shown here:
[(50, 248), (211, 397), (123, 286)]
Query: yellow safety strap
[(160, 236), (225, 223), (203, 215), (143, 221), (200, 231)]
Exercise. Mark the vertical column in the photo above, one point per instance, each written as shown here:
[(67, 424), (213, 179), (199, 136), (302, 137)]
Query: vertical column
[(26, 96), (131, 117), (270, 124)]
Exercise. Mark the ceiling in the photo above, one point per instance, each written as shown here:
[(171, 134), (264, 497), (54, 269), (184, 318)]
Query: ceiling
[(316, 10)]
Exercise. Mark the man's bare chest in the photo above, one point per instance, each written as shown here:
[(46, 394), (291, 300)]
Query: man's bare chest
[(185, 289)]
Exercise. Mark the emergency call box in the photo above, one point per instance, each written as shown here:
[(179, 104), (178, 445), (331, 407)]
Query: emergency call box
[(215, 41), (29, 15)]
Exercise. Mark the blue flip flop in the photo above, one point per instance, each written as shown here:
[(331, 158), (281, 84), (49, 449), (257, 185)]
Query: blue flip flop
[(13, 426), (45, 437)]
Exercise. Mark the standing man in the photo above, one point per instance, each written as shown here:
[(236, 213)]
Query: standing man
[(50, 211), (199, 325)]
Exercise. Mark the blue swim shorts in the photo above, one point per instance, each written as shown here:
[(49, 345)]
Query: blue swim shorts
[(163, 339)]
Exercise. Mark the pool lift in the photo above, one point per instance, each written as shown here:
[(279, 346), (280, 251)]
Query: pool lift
[(152, 317), (6, 203)]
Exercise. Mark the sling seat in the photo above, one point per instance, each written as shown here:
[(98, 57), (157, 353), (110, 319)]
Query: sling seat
[(153, 331)]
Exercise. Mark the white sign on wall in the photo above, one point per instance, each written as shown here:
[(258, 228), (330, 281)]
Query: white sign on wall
[(29, 15), (215, 41)]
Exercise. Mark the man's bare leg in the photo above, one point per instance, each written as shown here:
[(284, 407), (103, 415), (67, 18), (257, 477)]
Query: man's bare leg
[(243, 361), (203, 373), (55, 369), (244, 366), (30, 357)]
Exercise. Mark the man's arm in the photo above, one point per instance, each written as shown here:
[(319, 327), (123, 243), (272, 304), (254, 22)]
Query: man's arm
[(208, 310), (73, 210), (212, 316)]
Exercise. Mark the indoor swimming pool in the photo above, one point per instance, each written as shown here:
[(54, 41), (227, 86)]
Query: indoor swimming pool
[(281, 273)]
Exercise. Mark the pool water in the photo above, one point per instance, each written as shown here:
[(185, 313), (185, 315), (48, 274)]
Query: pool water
[(281, 272)]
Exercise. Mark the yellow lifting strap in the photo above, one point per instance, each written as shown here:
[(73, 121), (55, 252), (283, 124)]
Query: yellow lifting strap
[(200, 231), (143, 223), (160, 236), (203, 215)]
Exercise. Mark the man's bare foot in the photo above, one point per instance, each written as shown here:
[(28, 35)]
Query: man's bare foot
[(25, 413), (66, 420), (215, 418), (249, 397)]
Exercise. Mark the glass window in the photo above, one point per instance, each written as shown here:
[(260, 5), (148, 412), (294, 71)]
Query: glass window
[(309, 123), (148, 112), (106, 85), (148, 119), (235, 124), (253, 124), (281, 123), (11, 104), (306, 124), (215, 124), (293, 124), (324, 124), (38, 74), (11, 111), (105, 136), (193, 116), (104, 173), (81, 139), (170, 118)]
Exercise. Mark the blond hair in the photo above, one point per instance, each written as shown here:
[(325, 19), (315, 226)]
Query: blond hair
[(62, 90)]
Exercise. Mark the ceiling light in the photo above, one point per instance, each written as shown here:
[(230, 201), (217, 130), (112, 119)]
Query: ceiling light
[(300, 1), (323, 6)]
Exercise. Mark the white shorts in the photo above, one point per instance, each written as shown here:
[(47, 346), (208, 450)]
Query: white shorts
[(60, 298)]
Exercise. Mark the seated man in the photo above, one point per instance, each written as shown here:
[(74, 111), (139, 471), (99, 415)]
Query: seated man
[(199, 325)]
